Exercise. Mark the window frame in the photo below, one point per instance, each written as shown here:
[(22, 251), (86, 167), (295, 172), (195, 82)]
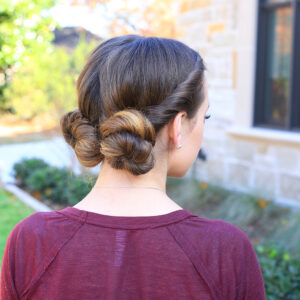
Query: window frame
[(264, 10)]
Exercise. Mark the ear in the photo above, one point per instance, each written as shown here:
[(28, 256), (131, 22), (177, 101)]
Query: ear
[(176, 128)]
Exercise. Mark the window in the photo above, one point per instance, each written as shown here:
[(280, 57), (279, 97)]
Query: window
[(277, 95)]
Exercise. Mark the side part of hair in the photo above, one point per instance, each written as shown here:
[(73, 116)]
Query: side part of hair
[(130, 87)]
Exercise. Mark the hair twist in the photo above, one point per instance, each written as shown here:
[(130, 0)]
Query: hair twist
[(127, 141), (182, 97), (83, 137)]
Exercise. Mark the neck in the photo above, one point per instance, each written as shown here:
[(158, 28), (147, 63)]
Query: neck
[(129, 201), (112, 177)]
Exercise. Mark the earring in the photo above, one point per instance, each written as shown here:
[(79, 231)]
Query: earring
[(179, 146)]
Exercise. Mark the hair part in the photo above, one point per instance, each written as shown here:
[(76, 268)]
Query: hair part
[(130, 87)]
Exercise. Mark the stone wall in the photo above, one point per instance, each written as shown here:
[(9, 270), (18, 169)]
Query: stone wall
[(262, 164), (210, 27)]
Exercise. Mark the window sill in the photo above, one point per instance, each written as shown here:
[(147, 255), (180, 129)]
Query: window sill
[(272, 135)]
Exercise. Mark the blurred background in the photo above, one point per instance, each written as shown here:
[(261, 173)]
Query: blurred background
[(248, 170)]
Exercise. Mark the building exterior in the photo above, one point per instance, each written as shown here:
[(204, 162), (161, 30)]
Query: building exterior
[(252, 53)]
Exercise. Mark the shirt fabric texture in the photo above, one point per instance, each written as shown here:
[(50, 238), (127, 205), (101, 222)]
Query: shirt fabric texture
[(75, 254)]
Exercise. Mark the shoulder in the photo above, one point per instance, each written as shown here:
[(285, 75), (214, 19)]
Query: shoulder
[(29, 225), (33, 242), (41, 224), (226, 254), (36, 224), (40, 231), (216, 230), (217, 241), (34, 234)]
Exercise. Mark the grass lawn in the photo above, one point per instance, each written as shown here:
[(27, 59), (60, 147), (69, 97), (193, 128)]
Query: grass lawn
[(12, 211)]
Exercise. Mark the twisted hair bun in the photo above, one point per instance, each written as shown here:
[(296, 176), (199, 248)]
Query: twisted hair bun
[(83, 137), (127, 141)]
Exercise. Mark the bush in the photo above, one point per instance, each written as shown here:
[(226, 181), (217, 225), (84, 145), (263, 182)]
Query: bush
[(79, 187), (52, 182), (56, 184), (281, 272), (25, 167)]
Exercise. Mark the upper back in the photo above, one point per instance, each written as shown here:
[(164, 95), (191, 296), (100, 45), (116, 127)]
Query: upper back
[(75, 254)]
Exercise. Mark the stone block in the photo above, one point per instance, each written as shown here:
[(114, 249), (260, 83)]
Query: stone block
[(227, 38), (221, 11), (238, 175), (239, 149), (290, 187), (264, 182), (215, 27), (187, 5), (213, 148), (287, 159), (264, 161), (211, 170), (262, 148)]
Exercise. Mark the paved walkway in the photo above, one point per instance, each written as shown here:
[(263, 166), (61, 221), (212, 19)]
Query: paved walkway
[(55, 151)]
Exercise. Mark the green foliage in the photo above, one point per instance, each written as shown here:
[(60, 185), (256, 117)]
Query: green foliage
[(281, 272), (57, 184), (51, 182), (12, 211), (46, 82), (80, 187), (26, 166), (25, 29)]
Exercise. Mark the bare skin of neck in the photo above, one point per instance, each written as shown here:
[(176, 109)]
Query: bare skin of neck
[(129, 201)]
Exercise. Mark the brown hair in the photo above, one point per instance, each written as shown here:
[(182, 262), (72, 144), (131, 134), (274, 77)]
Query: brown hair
[(130, 87)]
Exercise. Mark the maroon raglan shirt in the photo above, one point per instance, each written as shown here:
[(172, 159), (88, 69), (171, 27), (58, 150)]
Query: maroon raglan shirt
[(75, 254)]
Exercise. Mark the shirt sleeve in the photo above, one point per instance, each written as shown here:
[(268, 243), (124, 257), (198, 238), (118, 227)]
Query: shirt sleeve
[(8, 290), (31, 246), (251, 283), (20, 258), (241, 274), (223, 256)]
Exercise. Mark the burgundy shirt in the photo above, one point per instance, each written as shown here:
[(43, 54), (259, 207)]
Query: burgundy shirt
[(75, 254)]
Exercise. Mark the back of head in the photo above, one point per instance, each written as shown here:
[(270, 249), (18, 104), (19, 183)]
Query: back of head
[(130, 87)]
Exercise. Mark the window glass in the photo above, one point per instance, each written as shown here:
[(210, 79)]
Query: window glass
[(278, 66), (278, 1)]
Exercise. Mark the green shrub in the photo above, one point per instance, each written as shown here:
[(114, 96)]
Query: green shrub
[(56, 184), (37, 180), (79, 187), (26, 166), (52, 182), (281, 272)]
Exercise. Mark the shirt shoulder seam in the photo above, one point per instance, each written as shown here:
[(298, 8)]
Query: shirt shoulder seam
[(49, 258), (190, 251)]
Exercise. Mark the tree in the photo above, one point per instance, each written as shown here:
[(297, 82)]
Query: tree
[(148, 17), (25, 28), (45, 84)]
